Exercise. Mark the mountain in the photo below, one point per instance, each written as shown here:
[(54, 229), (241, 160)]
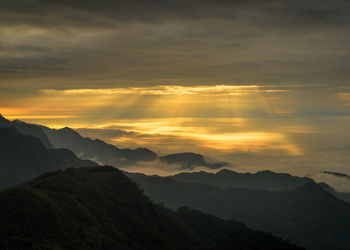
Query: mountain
[(307, 215), (98, 150), (344, 196), (26, 129), (99, 208), (108, 154), (266, 180), (341, 195), (23, 157), (190, 160), (102, 152)]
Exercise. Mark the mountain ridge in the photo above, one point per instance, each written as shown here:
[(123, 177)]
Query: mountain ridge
[(266, 179), (190, 160), (307, 215), (100, 208), (26, 128), (99, 150), (24, 157), (109, 154)]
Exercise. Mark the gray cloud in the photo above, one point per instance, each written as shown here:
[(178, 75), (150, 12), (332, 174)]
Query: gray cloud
[(172, 42), (108, 13)]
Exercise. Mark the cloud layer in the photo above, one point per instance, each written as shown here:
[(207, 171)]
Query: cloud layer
[(126, 43)]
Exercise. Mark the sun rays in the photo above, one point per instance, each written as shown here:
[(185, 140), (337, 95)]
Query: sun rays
[(220, 117)]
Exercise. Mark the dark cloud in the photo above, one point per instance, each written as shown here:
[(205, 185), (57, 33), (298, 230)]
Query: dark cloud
[(108, 13), (175, 41), (336, 174)]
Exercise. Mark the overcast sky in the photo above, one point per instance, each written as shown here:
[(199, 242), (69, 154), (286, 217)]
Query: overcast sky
[(65, 44)]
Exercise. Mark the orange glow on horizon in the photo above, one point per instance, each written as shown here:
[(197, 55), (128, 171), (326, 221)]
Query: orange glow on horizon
[(205, 116)]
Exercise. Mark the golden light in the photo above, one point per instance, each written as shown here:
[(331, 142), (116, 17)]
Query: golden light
[(208, 117)]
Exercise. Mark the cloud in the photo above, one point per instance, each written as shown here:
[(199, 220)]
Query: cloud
[(106, 134), (106, 13), (214, 90), (339, 181), (163, 169), (336, 174), (114, 43)]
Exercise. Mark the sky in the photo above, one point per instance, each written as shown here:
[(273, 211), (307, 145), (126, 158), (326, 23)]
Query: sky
[(260, 84)]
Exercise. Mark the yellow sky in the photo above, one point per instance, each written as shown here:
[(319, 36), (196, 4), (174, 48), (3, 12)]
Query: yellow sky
[(215, 117)]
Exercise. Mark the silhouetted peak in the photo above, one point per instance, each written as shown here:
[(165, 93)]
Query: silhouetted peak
[(69, 131), (192, 174), (18, 121), (187, 159), (185, 155), (89, 148), (225, 171), (202, 173), (266, 172), (142, 149), (3, 119)]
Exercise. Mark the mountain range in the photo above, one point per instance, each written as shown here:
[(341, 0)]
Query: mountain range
[(266, 180), (300, 210), (102, 152), (100, 208), (76, 208), (23, 157), (98, 150), (189, 160), (108, 154), (27, 129)]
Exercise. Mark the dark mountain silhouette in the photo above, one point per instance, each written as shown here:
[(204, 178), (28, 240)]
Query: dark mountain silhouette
[(100, 208), (341, 195), (26, 129), (190, 160), (307, 215), (23, 157), (266, 180), (100, 151), (108, 154)]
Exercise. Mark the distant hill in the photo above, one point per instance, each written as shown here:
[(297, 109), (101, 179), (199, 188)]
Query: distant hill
[(307, 215), (99, 208), (266, 180), (26, 129), (98, 150), (341, 195), (190, 161), (102, 152), (108, 154), (23, 157)]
